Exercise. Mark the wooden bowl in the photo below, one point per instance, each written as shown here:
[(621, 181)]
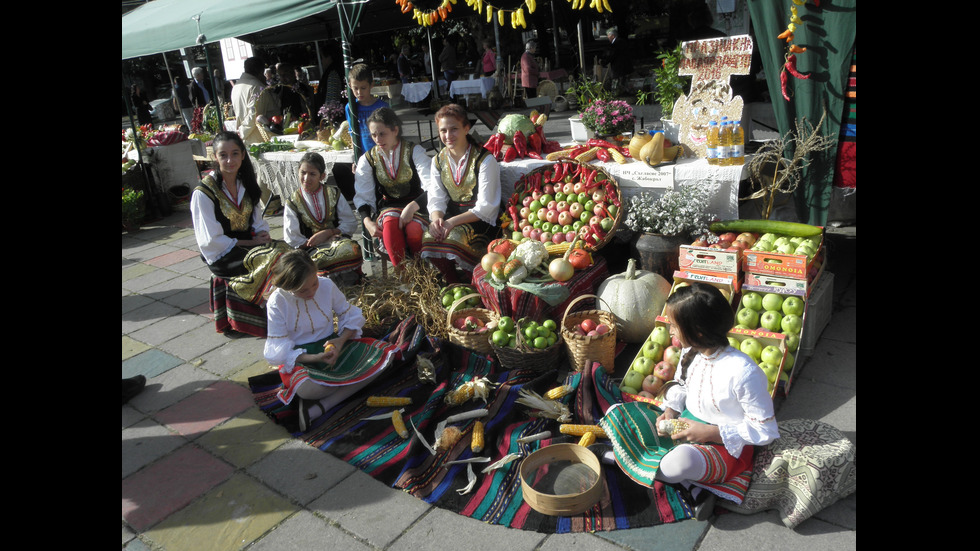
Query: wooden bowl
[(564, 503)]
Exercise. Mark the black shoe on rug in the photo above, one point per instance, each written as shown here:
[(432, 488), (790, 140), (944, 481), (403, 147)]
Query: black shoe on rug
[(132, 386), (304, 415), (704, 505)]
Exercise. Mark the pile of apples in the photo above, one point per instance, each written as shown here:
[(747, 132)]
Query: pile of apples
[(591, 328), (470, 324), (767, 356), (536, 335), (774, 313), (448, 295), (559, 213), (729, 241), (655, 364), (784, 244)]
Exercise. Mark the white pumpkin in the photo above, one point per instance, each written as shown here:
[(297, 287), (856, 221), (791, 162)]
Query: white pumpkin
[(636, 297)]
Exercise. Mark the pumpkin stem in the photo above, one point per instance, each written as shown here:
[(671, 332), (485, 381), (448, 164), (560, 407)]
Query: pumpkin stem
[(631, 269)]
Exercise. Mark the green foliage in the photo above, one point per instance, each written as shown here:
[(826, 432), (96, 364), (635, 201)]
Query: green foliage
[(670, 85), (586, 90), (133, 208)]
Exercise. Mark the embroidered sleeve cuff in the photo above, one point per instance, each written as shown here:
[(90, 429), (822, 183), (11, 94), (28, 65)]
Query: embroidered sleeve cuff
[(731, 439)]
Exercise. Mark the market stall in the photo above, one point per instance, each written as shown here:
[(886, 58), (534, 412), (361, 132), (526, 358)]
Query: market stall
[(391, 90), (279, 169), (173, 165)]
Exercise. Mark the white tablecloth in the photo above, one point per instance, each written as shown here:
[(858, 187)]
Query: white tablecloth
[(174, 164), (418, 91), (476, 86), (280, 169), (635, 177)]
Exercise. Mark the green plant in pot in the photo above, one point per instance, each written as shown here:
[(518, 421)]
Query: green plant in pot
[(133, 207), (586, 90), (670, 85)]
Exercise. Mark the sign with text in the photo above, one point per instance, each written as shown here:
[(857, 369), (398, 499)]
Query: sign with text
[(716, 58), (234, 52)]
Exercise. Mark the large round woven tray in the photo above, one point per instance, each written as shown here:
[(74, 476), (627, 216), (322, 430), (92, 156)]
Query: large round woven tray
[(582, 492), (526, 184)]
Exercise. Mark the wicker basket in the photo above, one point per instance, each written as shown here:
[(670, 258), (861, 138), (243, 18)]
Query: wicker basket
[(470, 339), (582, 349), (525, 185), (525, 356), (449, 289)]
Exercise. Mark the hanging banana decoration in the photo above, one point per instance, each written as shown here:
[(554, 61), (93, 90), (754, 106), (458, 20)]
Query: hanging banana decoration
[(516, 15), (598, 5)]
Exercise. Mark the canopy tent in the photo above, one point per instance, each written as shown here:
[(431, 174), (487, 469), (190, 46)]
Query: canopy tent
[(167, 25)]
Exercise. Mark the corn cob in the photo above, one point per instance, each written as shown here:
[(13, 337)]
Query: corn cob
[(558, 392), (588, 155), (476, 443), (560, 154), (672, 426), (617, 155), (448, 438), (587, 439), (460, 395), (557, 248), (579, 430), (399, 423), (383, 401)]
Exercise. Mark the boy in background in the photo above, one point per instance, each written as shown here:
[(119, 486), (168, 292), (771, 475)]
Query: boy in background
[(361, 80)]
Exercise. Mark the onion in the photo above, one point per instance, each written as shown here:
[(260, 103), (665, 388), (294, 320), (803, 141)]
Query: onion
[(561, 269), (489, 260)]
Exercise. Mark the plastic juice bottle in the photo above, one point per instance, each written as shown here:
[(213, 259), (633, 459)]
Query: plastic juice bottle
[(711, 142), (725, 144), (637, 142), (738, 144)]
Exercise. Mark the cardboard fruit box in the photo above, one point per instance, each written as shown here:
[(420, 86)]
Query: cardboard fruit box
[(706, 259), (765, 339), (636, 397), (784, 293), (771, 263), (725, 283)]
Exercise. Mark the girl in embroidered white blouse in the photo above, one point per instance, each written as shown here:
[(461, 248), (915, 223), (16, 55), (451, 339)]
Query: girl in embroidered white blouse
[(721, 387)]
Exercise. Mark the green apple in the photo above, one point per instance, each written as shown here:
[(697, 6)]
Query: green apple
[(782, 240), (661, 334), (748, 317), (789, 363), (733, 342), (791, 324), (792, 341), (633, 379), (772, 301), (752, 348), (643, 366), (500, 337), (771, 370), (752, 300), (506, 323), (764, 246), (768, 237), (793, 305), (628, 389), (771, 320), (653, 350), (771, 354)]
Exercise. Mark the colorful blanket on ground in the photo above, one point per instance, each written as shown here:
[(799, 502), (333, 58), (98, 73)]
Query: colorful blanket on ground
[(496, 497)]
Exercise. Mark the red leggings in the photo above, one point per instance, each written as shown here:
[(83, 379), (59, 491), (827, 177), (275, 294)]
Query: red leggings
[(395, 239)]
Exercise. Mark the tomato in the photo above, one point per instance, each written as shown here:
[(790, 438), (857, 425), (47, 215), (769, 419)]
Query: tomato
[(276, 119)]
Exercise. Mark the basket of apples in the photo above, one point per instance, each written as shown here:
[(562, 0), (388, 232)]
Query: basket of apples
[(590, 335), (567, 202), (654, 365), (526, 344), (469, 327)]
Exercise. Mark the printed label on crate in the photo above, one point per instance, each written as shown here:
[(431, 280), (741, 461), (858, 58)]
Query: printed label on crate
[(706, 258), (776, 264), (775, 281)]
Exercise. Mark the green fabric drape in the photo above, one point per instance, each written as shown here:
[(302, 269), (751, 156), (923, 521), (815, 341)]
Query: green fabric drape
[(828, 33)]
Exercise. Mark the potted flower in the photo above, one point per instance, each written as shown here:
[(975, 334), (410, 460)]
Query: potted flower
[(661, 225), (608, 118), (580, 95), (133, 208), (670, 86)]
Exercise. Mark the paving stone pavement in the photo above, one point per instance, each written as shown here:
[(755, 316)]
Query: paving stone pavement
[(203, 468)]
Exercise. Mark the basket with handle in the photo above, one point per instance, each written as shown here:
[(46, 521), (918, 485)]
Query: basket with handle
[(583, 348), (525, 356), (473, 340)]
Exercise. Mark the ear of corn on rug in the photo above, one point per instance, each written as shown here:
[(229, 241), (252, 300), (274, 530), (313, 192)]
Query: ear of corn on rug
[(420, 436)]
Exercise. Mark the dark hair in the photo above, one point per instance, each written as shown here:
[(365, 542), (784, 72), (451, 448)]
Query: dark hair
[(246, 173), (702, 314), (314, 159), (253, 66), (361, 72), (292, 270), (387, 117)]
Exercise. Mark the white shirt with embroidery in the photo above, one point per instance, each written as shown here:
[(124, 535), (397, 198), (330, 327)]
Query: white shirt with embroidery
[(487, 205), (731, 391), (294, 321), (211, 239), (291, 233)]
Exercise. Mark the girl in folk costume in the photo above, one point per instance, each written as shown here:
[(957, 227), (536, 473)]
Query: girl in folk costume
[(318, 219), (719, 392), (463, 198), (234, 238), (318, 364), (389, 187)]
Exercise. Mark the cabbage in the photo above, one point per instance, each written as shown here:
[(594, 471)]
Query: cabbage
[(512, 123)]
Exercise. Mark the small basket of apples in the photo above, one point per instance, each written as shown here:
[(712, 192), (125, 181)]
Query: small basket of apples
[(590, 335), (654, 365), (470, 327)]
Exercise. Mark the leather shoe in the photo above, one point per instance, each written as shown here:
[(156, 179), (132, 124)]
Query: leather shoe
[(132, 386), (304, 415), (704, 505)]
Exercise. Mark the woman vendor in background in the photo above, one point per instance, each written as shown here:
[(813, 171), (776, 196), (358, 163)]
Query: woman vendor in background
[(317, 219), (463, 198), (388, 184), (233, 237)]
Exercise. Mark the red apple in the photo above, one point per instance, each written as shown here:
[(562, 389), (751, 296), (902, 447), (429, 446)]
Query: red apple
[(602, 329), (647, 395), (527, 201), (558, 238), (728, 236), (664, 370), (549, 189), (652, 383), (588, 325), (545, 236), (672, 355)]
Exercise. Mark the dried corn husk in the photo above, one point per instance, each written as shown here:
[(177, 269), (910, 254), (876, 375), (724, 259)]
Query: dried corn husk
[(550, 409)]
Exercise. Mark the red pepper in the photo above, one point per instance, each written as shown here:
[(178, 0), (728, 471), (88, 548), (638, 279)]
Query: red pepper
[(498, 146), (578, 150), (510, 155), (597, 230), (489, 145), (593, 142), (515, 217), (791, 67), (550, 146), (520, 143), (534, 143), (626, 152), (783, 80), (602, 154), (556, 175), (534, 155)]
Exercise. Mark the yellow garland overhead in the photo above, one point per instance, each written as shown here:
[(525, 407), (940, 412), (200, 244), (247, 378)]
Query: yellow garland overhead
[(516, 16), (429, 17), (598, 5)]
